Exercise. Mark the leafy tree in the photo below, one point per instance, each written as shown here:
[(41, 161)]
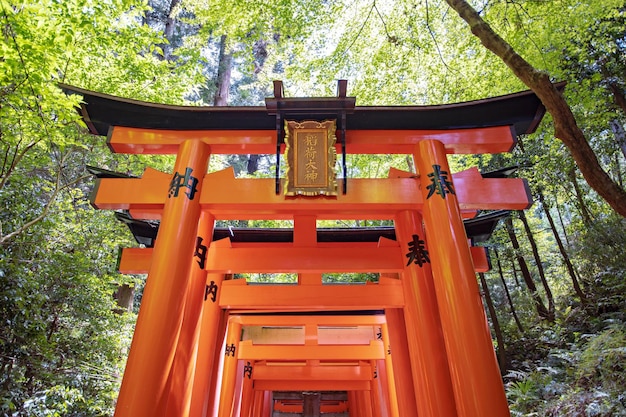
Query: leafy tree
[(565, 125)]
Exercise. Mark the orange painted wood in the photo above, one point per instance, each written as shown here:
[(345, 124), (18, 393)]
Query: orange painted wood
[(401, 362), (429, 362), (460, 141), (377, 394), (334, 407), (306, 297), (227, 260), (264, 259), (353, 404), (289, 407), (312, 385), (303, 320), (476, 379), (250, 351), (268, 404), (247, 397), (212, 329), (365, 403), (163, 305), (178, 397), (258, 406), (154, 141), (230, 370), (305, 231), (229, 198), (325, 407), (383, 386), (134, 260), (314, 373), (387, 372)]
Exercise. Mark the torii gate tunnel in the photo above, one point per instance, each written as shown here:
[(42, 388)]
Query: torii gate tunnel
[(416, 343)]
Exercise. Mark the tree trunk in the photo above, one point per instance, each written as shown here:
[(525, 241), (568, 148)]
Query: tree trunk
[(620, 134), (559, 242), (584, 211), (409, 163), (506, 291), (565, 126), (542, 275), (496, 324), (124, 297), (253, 163), (562, 225), (618, 96), (224, 70), (517, 283), (168, 31), (528, 279)]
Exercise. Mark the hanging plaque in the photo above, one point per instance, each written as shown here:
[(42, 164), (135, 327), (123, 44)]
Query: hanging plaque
[(311, 154)]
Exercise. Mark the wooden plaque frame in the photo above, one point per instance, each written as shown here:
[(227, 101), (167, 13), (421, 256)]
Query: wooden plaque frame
[(311, 155)]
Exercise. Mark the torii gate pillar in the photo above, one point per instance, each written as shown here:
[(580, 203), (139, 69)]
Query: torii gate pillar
[(476, 379), (161, 313)]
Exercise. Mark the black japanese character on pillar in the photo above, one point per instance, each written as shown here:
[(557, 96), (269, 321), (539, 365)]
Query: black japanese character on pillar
[(211, 290), (186, 181), (375, 372), (439, 183), (200, 252), (230, 350), (247, 370), (417, 252), (379, 334)]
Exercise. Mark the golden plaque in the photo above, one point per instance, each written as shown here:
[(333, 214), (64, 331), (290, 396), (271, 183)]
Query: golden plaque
[(311, 155)]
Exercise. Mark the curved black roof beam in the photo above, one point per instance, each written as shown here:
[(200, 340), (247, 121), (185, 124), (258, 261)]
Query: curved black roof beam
[(521, 110)]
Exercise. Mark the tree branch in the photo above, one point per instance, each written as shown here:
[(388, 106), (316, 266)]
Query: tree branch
[(565, 126), (57, 190)]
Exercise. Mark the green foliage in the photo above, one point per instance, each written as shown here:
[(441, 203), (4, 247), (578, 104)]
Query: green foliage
[(63, 346), (603, 359), (586, 378)]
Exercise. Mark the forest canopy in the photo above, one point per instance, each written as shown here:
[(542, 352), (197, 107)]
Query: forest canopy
[(557, 286)]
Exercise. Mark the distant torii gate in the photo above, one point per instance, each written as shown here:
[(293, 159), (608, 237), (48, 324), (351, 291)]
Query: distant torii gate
[(443, 361)]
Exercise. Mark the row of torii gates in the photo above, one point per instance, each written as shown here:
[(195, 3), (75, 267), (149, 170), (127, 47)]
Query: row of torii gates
[(414, 344)]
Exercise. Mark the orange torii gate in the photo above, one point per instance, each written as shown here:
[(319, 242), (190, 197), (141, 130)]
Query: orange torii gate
[(443, 360)]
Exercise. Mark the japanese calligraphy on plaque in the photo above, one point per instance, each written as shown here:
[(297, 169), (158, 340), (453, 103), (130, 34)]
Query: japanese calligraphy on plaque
[(311, 158)]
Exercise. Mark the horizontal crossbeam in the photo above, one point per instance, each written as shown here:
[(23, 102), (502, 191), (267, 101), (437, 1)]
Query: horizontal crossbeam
[(285, 258), (237, 295), (249, 351), (314, 373), (312, 385), (279, 320), (229, 198), (457, 141)]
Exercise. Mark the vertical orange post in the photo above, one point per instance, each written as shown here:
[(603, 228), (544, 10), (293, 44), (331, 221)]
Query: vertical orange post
[(401, 360), (383, 386), (268, 404), (476, 380), (364, 399), (229, 373), (212, 330), (353, 404), (376, 392), (389, 375), (259, 404), (429, 362), (218, 367), (248, 394), (180, 385), (236, 409), (162, 307)]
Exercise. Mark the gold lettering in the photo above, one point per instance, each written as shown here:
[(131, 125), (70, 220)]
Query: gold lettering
[(310, 140)]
